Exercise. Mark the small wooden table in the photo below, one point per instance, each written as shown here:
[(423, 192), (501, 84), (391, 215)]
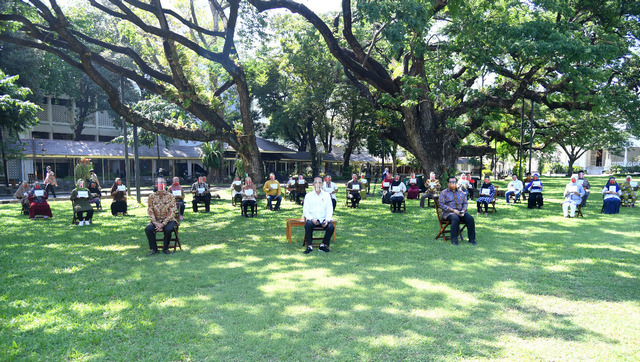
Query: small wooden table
[(291, 223)]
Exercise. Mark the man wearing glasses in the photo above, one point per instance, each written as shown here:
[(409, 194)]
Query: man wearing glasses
[(318, 211), (453, 203)]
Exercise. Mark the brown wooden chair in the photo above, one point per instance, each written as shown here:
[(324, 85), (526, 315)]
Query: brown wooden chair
[(492, 204), (347, 201), (445, 224), (174, 241)]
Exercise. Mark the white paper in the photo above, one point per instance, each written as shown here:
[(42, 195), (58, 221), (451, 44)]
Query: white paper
[(573, 188), (301, 182), (237, 183), (432, 185), (248, 192), (364, 181), (39, 192), (201, 190), (122, 188), (485, 191), (83, 194), (177, 193), (613, 188), (634, 184), (385, 184), (395, 189), (412, 181), (580, 182), (355, 187), (536, 183)]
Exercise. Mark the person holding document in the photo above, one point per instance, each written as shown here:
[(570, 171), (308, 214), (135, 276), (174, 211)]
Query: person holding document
[(81, 200), (573, 194), (201, 193), (487, 192), (236, 190), (317, 211), (248, 196), (38, 202), (611, 197), (397, 190), (514, 188), (414, 190), (301, 189), (535, 192), (178, 193), (464, 185), (433, 189), (627, 194), (353, 188), (386, 185), (119, 203), (332, 189), (22, 194), (272, 189), (453, 203), (162, 216)]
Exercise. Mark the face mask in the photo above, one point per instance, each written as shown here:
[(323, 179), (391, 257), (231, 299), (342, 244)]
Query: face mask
[(118, 183), (80, 185), (317, 187), (176, 183), (37, 187), (354, 178), (573, 180), (272, 177), (397, 178), (486, 181), (160, 186), (432, 177), (612, 182)]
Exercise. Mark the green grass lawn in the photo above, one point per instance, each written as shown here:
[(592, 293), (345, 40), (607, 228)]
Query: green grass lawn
[(536, 287)]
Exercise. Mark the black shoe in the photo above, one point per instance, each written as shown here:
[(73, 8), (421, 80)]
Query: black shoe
[(324, 248), (153, 252), (309, 249), (472, 242), (454, 242), (166, 251)]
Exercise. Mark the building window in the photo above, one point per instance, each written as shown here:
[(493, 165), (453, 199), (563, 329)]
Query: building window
[(62, 136), (87, 137), (105, 138), (43, 135)]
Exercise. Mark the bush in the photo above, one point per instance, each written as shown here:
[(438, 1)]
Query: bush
[(486, 172)]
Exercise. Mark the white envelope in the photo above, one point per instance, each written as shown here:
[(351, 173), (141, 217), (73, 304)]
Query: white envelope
[(412, 180), (485, 191), (634, 184), (248, 192), (612, 188), (237, 183), (83, 194), (122, 188), (355, 187), (536, 183), (573, 188), (432, 185), (395, 189), (201, 190), (38, 192), (385, 184), (177, 193), (302, 182), (274, 186)]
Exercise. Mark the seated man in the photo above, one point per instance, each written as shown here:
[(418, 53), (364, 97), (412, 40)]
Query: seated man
[(332, 189), (201, 193), (586, 186), (81, 201), (162, 213), (573, 194), (301, 189), (453, 203), (535, 192), (249, 193), (236, 189), (414, 190), (38, 204), (178, 193), (318, 212), (397, 190), (514, 188), (433, 189), (96, 193), (272, 189), (353, 188), (290, 188), (22, 194)]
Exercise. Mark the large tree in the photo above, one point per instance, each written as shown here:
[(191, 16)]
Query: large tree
[(444, 65), (186, 54)]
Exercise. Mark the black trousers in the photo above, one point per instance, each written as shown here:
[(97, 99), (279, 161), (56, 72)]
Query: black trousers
[(49, 189), (85, 215), (455, 226), (355, 198), (300, 195), (396, 201), (150, 230), (118, 206), (334, 202), (246, 204), (308, 229), (205, 199), (486, 206), (535, 199)]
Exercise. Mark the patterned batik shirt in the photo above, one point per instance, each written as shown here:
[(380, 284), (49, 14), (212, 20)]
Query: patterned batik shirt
[(450, 200), (432, 190), (162, 207)]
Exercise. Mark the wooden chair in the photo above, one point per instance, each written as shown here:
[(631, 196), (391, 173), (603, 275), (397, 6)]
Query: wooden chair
[(445, 224), (518, 200), (25, 208), (75, 219), (174, 241), (318, 228), (347, 200), (236, 200), (492, 204), (403, 205)]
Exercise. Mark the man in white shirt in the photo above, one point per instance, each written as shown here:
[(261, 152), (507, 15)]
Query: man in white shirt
[(332, 189), (318, 211), (514, 188)]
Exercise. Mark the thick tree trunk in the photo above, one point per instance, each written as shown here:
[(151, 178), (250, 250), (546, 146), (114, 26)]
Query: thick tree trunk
[(313, 149), (572, 160)]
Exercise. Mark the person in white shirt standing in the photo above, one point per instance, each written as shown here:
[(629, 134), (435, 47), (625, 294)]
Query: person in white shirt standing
[(332, 189), (514, 188), (318, 211)]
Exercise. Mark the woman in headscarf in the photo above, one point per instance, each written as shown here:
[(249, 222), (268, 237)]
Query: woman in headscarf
[(119, 203), (386, 184), (627, 194), (38, 202), (178, 194), (397, 190), (535, 192), (22, 194), (611, 197), (464, 185), (81, 201), (96, 193), (414, 190), (487, 192), (248, 197)]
